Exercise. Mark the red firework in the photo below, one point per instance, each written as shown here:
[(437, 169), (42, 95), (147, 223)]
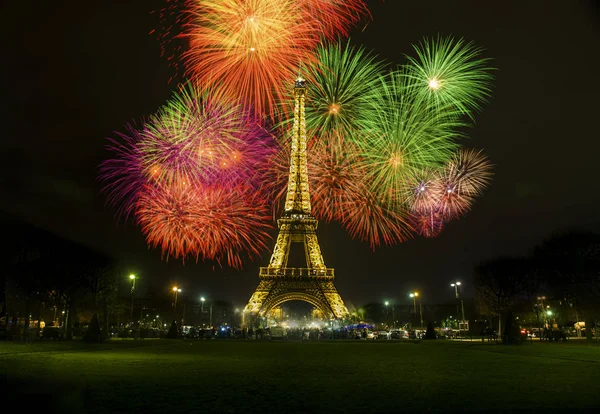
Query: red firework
[(427, 223), (248, 49), (213, 222), (335, 18), (336, 177), (369, 220)]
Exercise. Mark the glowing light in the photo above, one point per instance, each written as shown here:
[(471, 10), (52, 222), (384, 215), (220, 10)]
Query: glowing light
[(434, 84), (334, 109), (396, 160)]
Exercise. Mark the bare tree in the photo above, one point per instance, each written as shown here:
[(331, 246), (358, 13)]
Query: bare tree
[(500, 284)]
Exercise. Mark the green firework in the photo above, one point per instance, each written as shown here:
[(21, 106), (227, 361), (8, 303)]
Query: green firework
[(342, 83), (450, 72), (410, 135)]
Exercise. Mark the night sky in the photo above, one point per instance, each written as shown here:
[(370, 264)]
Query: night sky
[(75, 72)]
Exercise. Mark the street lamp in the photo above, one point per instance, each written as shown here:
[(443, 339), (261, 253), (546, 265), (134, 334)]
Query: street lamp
[(393, 313), (415, 295), (176, 291), (455, 285), (132, 277), (203, 299)]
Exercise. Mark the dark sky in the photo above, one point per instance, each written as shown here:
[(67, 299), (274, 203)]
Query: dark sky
[(74, 72)]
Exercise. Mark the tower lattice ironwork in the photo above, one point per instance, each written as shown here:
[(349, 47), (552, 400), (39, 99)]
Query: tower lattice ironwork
[(278, 282)]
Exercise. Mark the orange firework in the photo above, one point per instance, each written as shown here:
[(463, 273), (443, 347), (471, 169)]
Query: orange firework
[(249, 49)]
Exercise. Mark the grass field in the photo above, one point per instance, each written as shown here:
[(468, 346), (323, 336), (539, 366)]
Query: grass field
[(327, 376)]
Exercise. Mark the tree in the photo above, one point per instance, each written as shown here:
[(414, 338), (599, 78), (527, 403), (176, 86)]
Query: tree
[(499, 285), (93, 333), (430, 333), (570, 264), (173, 331)]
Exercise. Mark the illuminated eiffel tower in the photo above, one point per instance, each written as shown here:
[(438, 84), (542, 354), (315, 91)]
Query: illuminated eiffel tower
[(314, 283)]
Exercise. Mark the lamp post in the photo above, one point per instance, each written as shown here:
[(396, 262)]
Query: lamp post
[(415, 295), (393, 313), (455, 285), (176, 291), (132, 277), (202, 300), (541, 299)]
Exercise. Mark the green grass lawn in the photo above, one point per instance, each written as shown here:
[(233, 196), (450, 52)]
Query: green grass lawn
[(229, 376)]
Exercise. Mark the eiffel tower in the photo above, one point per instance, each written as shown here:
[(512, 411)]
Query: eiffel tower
[(279, 283)]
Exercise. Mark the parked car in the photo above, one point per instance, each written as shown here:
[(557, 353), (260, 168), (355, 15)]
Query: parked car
[(383, 335), (398, 334)]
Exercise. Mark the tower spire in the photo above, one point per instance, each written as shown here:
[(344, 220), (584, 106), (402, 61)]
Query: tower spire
[(297, 199), (313, 283)]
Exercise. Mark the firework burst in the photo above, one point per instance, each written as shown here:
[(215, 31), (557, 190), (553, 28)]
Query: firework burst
[(193, 138), (342, 84), (450, 72), (248, 49), (410, 137), (190, 178), (462, 179), (422, 194), (215, 222)]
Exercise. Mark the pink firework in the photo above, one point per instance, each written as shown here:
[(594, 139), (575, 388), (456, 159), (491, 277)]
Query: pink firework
[(195, 138), (422, 196), (462, 179), (123, 174)]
